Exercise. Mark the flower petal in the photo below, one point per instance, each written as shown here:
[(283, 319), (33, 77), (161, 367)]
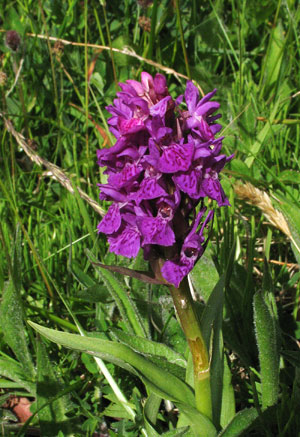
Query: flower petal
[(174, 272), (125, 242), (176, 157), (189, 183), (149, 189), (155, 230), (111, 221), (191, 96)]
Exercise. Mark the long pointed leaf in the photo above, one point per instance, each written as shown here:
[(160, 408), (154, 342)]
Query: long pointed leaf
[(161, 382), (266, 337), (146, 346)]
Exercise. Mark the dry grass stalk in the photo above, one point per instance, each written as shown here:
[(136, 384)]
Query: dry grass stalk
[(54, 171), (128, 51), (259, 198)]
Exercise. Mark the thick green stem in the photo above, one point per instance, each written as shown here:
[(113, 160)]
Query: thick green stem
[(190, 324)]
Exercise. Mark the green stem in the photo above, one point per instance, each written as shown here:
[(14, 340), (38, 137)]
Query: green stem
[(187, 67), (152, 31), (190, 324)]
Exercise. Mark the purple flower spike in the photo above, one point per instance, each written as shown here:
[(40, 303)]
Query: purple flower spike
[(165, 163)]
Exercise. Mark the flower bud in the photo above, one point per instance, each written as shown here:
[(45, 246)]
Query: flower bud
[(12, 40)]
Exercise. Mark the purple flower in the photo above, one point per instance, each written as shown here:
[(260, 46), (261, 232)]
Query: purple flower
[(165, 163), (199, 111)]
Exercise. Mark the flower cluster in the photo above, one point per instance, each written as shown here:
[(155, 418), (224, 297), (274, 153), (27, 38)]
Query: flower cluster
[(165, 161)]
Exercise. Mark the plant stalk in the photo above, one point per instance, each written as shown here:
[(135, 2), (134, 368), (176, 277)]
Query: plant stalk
[(184, 305)]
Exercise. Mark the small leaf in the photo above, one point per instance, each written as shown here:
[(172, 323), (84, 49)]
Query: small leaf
[(212, 310), (199, 424), (150, 412), (241, 421), (116, 410), (82, 277), (266, 336)]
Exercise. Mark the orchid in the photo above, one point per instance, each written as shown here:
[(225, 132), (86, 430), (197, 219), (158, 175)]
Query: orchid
[(165, 163)]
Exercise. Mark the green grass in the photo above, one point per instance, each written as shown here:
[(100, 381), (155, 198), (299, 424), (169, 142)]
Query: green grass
[(250, 52)]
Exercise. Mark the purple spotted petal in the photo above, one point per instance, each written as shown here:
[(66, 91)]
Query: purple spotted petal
[(125, 242), (149, 189), (189, 182), (111, 193), (212, 188), (147, 81), (129, 173), (207, 97), (111, 222), (176, 157), (130, 126), (156, 231)]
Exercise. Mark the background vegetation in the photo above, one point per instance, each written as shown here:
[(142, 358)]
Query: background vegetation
[(53, 93)]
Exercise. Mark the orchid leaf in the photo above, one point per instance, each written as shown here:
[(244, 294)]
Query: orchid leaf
[(161, 382), (142, 276), (146, 346), (266, 336)]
